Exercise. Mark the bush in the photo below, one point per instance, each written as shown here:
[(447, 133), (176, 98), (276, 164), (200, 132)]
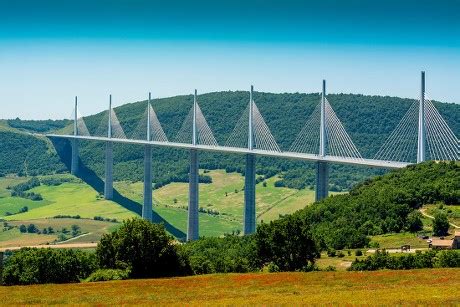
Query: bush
[(222, 255), (144, 248), (44, 265), (447, 259), (331, 252), (108, 274), (358, 253), (383, 260), (32, 228), (330, 268), (23, 228)]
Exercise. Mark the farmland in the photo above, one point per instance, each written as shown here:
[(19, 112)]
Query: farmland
[(426, 286), (221, 202)]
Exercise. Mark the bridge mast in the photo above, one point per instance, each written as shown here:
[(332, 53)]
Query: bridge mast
[(147, 206), (74, 142), (322, 168), (250, 176), (108, 184), (192, 228), (421, 122)]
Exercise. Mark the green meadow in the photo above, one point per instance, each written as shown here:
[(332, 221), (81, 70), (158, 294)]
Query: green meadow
[(221, 205)]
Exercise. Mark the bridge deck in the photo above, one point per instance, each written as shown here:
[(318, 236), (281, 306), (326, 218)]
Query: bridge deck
[(282, 154)]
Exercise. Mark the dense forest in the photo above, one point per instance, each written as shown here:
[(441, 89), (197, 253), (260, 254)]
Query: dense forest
[(368, 119), (381, 205)]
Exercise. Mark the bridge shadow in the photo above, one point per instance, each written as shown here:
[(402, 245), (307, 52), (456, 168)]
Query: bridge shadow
[(63, 149)]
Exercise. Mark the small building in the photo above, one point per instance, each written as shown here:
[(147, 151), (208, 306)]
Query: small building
[(456, 243), (438, 243)]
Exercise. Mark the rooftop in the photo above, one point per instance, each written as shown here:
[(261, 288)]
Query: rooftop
[(439, 242)]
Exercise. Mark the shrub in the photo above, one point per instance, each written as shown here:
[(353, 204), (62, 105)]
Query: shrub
[(45, 265), (32, 228), (330, 268), (143, 247), (222, 255), (447, 259), (340, 254), (358, 253), (108, 274), (23, 228), (383, 260), (272, 268), (331, 252)]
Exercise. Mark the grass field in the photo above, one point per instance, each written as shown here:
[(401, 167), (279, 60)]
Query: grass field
[(396, 240), (414, 287), (224, 195)]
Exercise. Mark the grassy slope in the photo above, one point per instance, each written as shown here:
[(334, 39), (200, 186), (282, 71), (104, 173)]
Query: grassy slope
[(429, 286), (76, 198), (271, 201)]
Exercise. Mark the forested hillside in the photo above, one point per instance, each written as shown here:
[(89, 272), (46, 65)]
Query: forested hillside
[(377, 206), (25, 154), (368, 119)]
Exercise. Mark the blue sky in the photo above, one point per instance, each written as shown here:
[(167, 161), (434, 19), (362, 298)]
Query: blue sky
[(51, 51)]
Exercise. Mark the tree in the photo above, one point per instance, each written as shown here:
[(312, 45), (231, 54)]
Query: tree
[(45, 265), (440, 224), (414, 221), (142, 247), (32, 228), (288, 243), (75, 230), (23, 228)]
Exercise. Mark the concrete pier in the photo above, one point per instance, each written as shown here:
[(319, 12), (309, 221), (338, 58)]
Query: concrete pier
[(74, 142), (322, 168), (74, 159), (147, 206), (249, 226), (108, 184), (421, 138), (322, 180), (192, 229)]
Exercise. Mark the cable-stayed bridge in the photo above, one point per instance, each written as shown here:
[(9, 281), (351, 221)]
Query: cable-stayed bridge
[(323, 140)]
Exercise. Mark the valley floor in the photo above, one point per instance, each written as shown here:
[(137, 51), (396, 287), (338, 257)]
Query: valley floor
[(426, 286)]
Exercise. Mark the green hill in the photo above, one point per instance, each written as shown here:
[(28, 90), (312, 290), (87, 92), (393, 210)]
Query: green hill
[(384, 204), (368, 119)]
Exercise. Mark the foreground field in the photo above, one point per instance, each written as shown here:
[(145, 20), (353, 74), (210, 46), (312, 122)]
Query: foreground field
[(430, 286)]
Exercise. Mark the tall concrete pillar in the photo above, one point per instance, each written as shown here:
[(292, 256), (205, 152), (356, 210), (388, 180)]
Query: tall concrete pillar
[(74, 142), (192, 229), (250, 195), (193, 196), (147, 206), (108, 184), (74, 159), (421, 123), (249, 214), (322, 168), (322, 180)]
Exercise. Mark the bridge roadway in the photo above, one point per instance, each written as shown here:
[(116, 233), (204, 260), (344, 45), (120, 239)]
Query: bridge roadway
[(289, 155)]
